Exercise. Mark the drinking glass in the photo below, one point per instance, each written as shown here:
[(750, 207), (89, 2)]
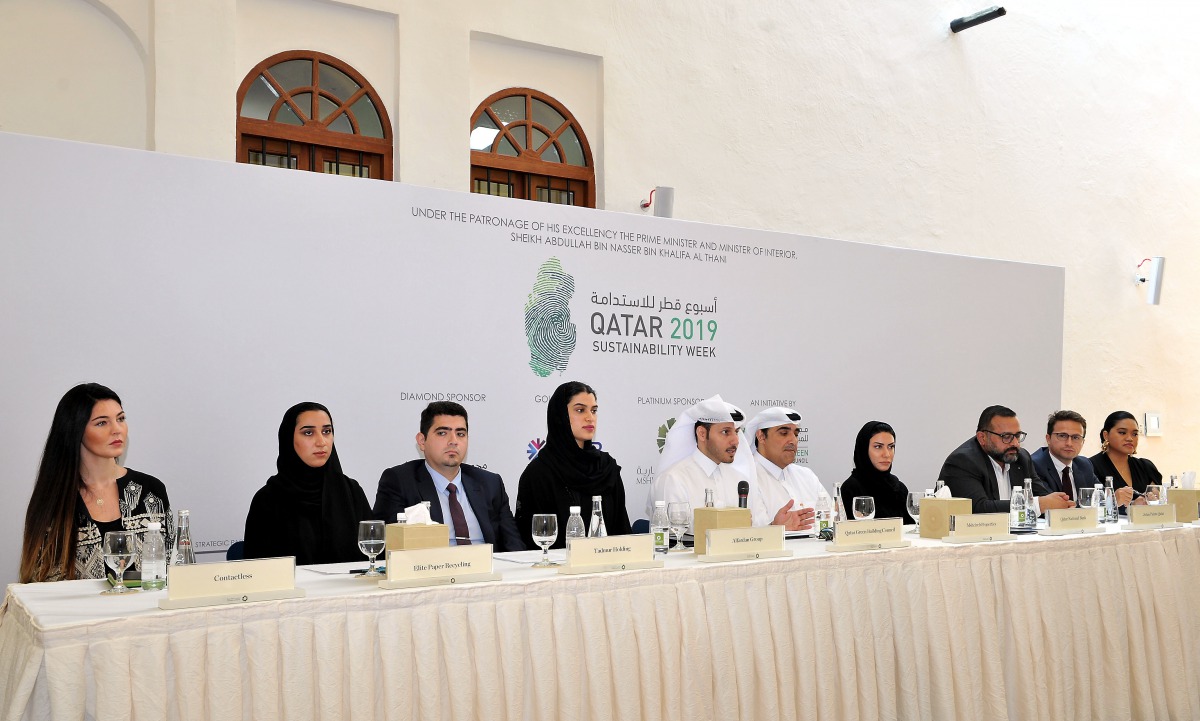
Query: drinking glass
[(119, 548), (914, 508), (864, 507), (679, 514), (545, 533), (1154, 495), (1087, 497), (370, 542)]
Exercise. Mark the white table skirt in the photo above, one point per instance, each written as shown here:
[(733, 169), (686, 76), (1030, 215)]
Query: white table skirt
[(1099, 627)]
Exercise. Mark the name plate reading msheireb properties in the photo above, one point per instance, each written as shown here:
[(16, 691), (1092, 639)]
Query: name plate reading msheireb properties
[(610, 553), (868, 535), (1146, 517), (1067, 521), (219, 584), (743, 544), (444, 566), (978, 528)]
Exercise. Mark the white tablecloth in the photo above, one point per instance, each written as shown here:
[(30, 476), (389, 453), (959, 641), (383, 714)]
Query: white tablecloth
[(1098, 627)]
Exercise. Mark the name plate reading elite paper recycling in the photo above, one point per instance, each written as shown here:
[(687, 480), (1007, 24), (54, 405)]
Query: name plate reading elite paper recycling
[(439, 566), (978, 528), (1142, 517), (743, 544), (218, 584), (1065, 521), (611, 553), (868, 535)]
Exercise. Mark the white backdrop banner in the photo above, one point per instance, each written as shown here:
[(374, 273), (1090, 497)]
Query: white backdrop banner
[(212, 296)]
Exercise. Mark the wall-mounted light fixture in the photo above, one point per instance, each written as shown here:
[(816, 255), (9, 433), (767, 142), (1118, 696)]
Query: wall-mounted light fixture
[(970, 21), (1150, 272), (664, 206)]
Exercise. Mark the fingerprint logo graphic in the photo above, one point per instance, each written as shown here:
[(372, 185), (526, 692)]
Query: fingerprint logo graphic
[(548, 326)]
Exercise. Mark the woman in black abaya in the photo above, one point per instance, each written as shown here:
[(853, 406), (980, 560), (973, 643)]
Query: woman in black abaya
[(874, 449)]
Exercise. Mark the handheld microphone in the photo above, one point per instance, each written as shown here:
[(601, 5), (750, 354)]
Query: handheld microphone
[(743, 492)]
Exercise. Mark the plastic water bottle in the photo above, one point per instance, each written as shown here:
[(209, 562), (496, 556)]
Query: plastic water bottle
[(1016, 510), (1030, 511), (596, 529), (708, 498), (824, 512), (575, 527), (183, 540), (938, 486), (402, 518), (660, 526), (154, 558), (1110, 501), (1101, 505)]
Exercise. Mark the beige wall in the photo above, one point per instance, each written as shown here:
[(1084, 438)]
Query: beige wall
[(1064, 133)]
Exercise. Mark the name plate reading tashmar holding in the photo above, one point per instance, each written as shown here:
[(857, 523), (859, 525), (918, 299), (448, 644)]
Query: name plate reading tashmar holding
[(219, 584), (868, 535), (1146, 517), (1067, 521), (978, 528), (610, 553), (743, 544), (439, 566)]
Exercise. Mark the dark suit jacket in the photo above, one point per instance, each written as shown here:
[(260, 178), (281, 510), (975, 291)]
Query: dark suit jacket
[(1081, 470), (409, 484), (968, 472)]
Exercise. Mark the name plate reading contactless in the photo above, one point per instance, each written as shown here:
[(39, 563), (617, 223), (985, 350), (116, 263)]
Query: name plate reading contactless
[(978, 528), (1067, 521), (439, 566), (868, 535), (219, 584), (611, 553), (1147, 517), (743, 544)]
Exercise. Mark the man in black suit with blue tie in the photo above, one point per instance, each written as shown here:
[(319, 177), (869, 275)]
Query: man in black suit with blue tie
[(1058, 463), (474, 500)]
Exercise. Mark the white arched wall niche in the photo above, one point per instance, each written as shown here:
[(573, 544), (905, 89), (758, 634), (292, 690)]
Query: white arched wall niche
[(84, 74)]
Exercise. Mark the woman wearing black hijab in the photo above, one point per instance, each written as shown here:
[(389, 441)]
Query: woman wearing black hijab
[(569, 469), (309, 509), (872, 476)]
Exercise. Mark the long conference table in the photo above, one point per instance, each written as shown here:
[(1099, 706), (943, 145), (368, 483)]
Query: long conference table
[(1105, 626)]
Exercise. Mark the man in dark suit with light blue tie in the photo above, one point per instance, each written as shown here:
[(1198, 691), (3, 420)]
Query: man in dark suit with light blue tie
[(1058, 463), (474, 500)]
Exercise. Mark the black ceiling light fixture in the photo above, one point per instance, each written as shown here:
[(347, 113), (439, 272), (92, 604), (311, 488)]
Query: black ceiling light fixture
[(971, 21)]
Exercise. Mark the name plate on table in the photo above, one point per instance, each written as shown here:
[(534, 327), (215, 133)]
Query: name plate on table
[(219, 584), (439, 566), (978, 528), (743, 544), (868, 535), (1186, 502), (1067, 521), (611, 553), (1147, 517)]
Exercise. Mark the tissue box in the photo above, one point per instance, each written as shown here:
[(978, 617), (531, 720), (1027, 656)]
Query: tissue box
[(706, 518), (936, 512), (405, 537), (1185, 502)]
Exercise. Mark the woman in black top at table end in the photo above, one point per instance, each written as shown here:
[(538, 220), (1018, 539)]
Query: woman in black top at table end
[(1118, 442)]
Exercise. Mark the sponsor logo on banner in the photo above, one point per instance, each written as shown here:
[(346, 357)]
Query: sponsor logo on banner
[(537, 444), (549, 331), (653, 325), (645, 475), (662, 433)]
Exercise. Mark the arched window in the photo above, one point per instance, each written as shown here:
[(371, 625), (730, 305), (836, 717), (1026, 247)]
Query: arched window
[(310, 111), (525, 144)]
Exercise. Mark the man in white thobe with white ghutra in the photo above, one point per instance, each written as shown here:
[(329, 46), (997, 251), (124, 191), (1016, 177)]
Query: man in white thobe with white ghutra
[(773, 437)]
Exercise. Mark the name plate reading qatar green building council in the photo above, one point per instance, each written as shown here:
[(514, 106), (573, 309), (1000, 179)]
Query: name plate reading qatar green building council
[(219, 584), (743, 544), (611, 553), (1067, 521), (439, 566), (978, 528), (868, 535), (1142, 518)]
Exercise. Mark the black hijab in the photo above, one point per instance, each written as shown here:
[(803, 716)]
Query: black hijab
[(586, 470), (324, 493), (891, 496)]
